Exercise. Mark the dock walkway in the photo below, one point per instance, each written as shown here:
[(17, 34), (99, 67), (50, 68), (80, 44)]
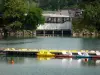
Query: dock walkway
[(45, 50)]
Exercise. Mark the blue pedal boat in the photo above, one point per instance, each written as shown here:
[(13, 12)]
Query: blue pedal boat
[(81, 56)]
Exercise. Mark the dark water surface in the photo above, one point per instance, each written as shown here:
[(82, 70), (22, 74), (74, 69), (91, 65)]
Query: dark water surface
[(53, 43)]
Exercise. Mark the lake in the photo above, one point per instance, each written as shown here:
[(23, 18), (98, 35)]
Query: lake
[(47, 66), (11, 65), (53, 43)]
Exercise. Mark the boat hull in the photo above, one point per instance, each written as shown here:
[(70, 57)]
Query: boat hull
[(96, 57), (78, 56), (45, 55), (67, 56), (63, 56)]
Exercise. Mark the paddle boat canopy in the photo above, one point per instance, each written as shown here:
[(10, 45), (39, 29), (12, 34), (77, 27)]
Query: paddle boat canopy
[(83, 55), (45, 53), (65, 55)]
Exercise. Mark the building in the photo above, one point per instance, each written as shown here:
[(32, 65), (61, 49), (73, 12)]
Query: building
[(56, 24)]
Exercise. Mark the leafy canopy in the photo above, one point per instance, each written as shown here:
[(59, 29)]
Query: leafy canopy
[(21, 14), (91, 14)]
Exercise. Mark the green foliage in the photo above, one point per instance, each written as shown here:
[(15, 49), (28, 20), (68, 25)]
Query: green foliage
[(91, 16), (79, 26), (1, 5), (15, 25), (14, 8), (19, 15), (14, 15), (57, 4), (34, 18)]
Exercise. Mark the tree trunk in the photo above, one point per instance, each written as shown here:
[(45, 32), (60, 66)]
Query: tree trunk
[(5, 33)]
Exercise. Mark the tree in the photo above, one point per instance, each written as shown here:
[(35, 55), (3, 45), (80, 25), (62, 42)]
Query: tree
[(14, 17), (52, 4), (34, 18), (1, 5), (90, 17), (13, 12), (57, 4)]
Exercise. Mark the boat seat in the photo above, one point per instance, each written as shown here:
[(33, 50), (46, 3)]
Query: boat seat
[(79, 53), (97, 53), (64, 53), (70, 53), (85, 54)]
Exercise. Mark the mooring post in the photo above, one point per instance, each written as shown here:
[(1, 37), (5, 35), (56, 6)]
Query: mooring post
[(44, 33), (62, 33), (53, 33), (35, 33)]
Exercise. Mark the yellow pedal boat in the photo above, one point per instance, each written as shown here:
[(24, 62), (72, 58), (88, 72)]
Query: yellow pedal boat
[(45, 54)]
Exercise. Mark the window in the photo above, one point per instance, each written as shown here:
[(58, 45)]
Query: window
[(48, 20), (59, 20), (66, 19), (56, 19)]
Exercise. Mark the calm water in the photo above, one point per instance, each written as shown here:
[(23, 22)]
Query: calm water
[(53, 43), (35, 66)]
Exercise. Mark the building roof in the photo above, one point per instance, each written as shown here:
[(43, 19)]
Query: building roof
[(61, 13), (55, 15)]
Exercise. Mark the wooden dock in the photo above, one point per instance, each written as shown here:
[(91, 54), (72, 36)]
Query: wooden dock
[(35, 51), (44, 50)]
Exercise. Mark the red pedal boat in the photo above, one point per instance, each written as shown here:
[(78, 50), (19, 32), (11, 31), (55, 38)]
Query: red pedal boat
[(64, 56), (96, 57)]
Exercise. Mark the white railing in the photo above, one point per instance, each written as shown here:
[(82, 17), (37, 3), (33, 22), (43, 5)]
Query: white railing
[(53, 26)]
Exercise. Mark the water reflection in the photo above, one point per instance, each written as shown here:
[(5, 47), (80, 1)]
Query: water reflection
[(11, 65), (89, 62), (44, 58), (12, 60), (68, 61)]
